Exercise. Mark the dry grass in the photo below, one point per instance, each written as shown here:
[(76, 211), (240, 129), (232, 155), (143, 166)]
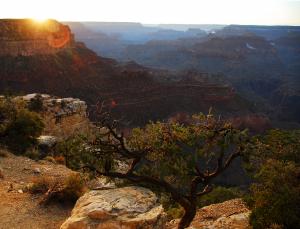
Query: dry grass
[(58, 190)]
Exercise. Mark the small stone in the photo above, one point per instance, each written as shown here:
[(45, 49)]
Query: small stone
[(37, 170), (20, 191)]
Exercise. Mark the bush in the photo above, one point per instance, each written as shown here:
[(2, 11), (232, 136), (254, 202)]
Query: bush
[(41, 184), (22, 132), (74, 152), (74, 188), (59, 189), (19, 127), (275, 196)]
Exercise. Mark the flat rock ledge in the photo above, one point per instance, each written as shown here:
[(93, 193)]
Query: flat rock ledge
[(120, 208)]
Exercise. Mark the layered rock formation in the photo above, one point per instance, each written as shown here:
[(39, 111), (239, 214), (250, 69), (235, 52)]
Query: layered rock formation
[(132, 93), (121, 208), (62, 117), (25, 37)]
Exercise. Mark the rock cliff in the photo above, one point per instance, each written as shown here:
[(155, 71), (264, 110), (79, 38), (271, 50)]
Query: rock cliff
[(25, 37), (62, 117)]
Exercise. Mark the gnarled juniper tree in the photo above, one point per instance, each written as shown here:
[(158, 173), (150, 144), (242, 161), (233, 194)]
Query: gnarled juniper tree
[(181, 159)]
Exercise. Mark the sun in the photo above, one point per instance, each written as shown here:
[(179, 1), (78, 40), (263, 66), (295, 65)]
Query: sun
[(40, 20)]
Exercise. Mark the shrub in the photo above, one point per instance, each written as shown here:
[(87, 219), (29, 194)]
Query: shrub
[(67, 189), (22, 132), (74, 188), (19, 127), (74, 152), (275, 196), (41, 184)]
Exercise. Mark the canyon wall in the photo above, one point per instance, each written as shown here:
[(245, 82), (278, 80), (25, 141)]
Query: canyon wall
[(26, 37)]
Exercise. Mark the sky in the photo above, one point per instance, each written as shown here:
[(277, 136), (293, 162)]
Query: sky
[(258, 12)]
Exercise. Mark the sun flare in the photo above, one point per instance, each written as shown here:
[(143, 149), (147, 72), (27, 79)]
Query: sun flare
[(40, 19)]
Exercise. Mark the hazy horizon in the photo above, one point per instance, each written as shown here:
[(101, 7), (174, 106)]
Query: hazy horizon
[(241, 12)]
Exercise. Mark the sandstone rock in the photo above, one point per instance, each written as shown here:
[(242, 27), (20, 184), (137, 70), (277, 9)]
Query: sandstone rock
[(231, 214), (236, 221), (121, 208), (63, 117)]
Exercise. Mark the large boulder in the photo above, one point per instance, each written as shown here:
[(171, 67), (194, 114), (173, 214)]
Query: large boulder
[(120, 208)]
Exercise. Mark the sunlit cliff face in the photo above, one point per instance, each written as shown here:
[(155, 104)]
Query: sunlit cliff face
[(29, 37), (59, 35)]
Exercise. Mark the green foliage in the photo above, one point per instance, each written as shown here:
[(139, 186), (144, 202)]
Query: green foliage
[(176, 149), (19, 127), (77, 152), (218, 195), (179, 159), (275, 197)]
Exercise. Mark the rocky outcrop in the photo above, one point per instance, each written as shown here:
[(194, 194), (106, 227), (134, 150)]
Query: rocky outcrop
[(62, 117), (121, 208), (231, 214), (25, 37)]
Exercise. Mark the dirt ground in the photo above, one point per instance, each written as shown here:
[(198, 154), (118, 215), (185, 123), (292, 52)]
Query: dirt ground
[(20, 209)]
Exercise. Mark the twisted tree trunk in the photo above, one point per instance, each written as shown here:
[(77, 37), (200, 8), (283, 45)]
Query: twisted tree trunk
[(189, 214)]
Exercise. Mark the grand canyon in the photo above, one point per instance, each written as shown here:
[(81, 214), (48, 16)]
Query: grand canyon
[(166, 123)]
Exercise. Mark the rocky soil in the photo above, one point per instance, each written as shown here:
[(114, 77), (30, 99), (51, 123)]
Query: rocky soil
[(21, 210), (127, 207)]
